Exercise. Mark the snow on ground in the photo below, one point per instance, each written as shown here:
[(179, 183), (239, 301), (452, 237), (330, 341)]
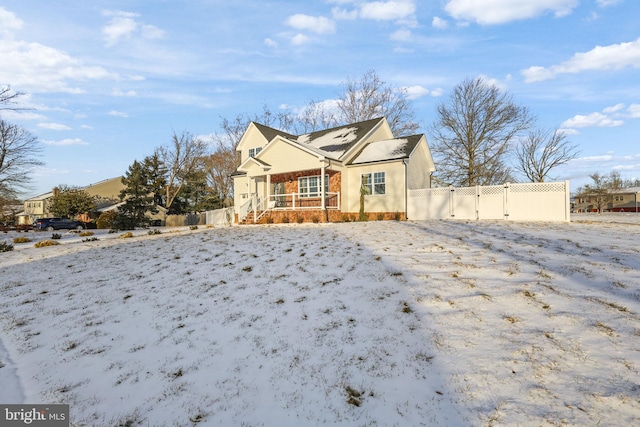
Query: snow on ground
[(376, 323)]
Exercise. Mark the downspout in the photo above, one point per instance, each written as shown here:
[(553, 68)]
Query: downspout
[(405, 162)]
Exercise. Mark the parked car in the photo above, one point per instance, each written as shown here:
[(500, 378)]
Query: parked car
[(51, 224)]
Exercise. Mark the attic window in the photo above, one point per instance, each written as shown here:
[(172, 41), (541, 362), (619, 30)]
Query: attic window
[(254, 151)]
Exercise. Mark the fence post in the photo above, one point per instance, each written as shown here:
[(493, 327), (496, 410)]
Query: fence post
[(478, 202), (452, 212), (505, 200)]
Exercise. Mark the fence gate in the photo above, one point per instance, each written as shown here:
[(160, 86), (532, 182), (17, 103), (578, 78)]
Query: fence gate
[(539, 201)]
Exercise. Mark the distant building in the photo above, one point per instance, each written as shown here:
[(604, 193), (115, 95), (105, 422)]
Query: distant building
[(107, 193), (623, 200)]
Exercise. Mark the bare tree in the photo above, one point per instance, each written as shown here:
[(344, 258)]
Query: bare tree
[(219, 166), (371, 97), (18, 151), (315, 116), (8, 98), (181, 158), (541, 151), (473, 133)]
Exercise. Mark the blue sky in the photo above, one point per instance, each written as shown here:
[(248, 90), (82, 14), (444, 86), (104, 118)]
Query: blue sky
[(109, 81)]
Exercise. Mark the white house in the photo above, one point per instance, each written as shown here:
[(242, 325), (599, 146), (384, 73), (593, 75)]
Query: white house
[(319, 176)]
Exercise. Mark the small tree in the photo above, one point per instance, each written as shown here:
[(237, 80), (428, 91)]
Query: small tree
[(71, 201), (364, 191), (137, 197), (541, 151)]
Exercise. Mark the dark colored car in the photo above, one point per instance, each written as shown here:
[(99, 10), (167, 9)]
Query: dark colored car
[(51, 224)]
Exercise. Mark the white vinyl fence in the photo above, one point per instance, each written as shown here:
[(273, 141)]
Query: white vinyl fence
[(540, 201)]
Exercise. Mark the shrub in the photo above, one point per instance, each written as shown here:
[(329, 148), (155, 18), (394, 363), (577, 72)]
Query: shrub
[(299, 219), (86, 234), (269, 220), (56, 236), (193, 227), (397, 216), (90, 239), (22, 240), (45, 243), (346, 217), (5, 247), (285, 220), (126, 235), (315, 219), (380, 216), (154, 231), (107, 220)]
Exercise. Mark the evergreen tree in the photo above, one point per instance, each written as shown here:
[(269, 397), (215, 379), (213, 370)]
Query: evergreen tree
[(157, 175), (137, 196)]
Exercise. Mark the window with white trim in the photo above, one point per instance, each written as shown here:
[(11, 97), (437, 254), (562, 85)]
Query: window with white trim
[(375, 183), (254, 151), (309, 186)]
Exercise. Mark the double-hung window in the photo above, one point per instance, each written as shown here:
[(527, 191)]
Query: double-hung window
[(374, 183), (254, 151), (309, 186)]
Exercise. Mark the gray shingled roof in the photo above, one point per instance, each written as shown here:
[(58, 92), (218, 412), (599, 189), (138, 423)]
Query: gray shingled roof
[(333, 142)]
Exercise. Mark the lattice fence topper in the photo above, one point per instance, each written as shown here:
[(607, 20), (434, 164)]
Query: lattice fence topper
[(494, 189), (466, 191), (538, 187)]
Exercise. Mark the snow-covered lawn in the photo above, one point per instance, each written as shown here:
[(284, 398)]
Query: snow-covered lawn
[(377, 323)]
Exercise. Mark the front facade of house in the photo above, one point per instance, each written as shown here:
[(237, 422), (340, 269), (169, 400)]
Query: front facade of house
[(319, 176)]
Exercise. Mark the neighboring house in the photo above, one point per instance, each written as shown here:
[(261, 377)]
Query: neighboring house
[(107, 193), (318, 176), (623, 200)]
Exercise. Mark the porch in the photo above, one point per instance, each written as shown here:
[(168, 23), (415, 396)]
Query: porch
[(257, 207)]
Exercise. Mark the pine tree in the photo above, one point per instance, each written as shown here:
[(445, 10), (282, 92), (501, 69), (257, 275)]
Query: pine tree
[(137, 196)]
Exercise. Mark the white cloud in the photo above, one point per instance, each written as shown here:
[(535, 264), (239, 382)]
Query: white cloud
[(39, 68), (299, 39), (9, 22), (270, 42), (54, 126), (439, 23), (123, 25), (502, 11), (343, 14), (613, 108), (387, 10), (417, 91), (634, 111), (128, 93), (22, 115), (68, 141), (607, 3), (118, 114), (612, 57), (591, 120), (401, 35), (316, 24)]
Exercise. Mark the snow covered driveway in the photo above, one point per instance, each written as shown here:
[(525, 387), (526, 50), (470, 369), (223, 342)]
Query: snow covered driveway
[(377, 323)]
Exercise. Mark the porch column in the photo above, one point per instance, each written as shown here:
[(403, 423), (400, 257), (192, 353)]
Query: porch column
[(268, 192), (323, 205)]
